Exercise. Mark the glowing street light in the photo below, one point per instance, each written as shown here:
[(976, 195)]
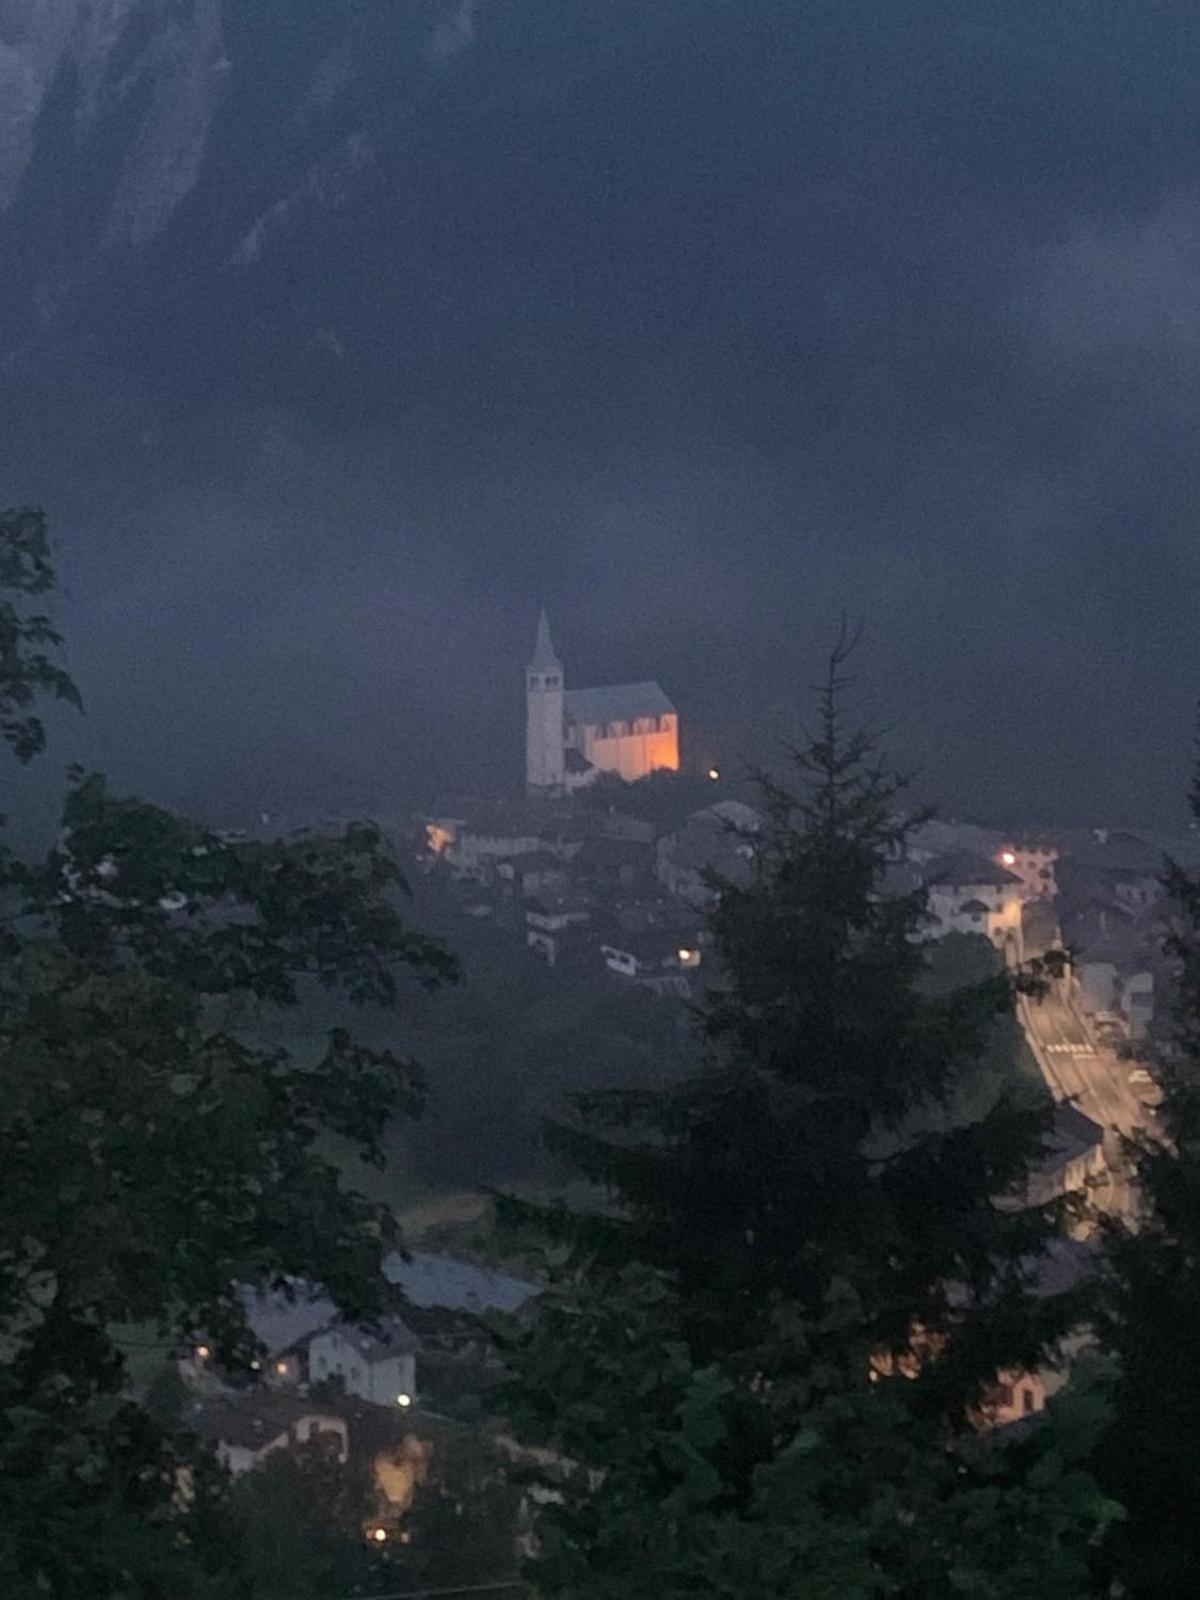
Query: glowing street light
[(1008, 858), (714, 773), (378, 1535), (404, 1400), (202, 1352)]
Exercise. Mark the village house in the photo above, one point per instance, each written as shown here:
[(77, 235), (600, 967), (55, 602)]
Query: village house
[(1114, 865), (707, 843), (538, 873), (972, 894), (378, 1365), (659, 959), (1114, 978), (551, 921), (472, 844), (1073, 1162), (1019, 1396), (611, 867), (1034, 864), (245, 1429)]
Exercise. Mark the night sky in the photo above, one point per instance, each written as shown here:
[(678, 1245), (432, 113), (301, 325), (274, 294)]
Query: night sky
[(699, 323)]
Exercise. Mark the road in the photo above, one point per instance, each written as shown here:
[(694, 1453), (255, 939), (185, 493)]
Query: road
[(1077, 1068)]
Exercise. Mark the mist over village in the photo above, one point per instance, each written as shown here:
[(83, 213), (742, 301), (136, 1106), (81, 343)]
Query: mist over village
[(600, 861)]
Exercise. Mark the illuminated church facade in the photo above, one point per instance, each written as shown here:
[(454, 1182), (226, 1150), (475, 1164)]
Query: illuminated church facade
[(573, 735)]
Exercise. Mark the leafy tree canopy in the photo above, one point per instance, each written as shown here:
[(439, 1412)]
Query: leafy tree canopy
[(154, 1158)]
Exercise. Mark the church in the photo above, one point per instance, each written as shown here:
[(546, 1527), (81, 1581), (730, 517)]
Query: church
[(573, 735)]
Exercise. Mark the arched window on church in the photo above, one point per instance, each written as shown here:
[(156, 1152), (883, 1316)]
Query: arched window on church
[(644, 725), (618, 730)]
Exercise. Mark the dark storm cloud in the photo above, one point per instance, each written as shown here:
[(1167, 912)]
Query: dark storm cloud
[(699, 325)]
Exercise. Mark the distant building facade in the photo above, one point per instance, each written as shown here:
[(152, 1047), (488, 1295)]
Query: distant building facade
[(572, 735), (971, 894), (375, 1364), (1033, 862)]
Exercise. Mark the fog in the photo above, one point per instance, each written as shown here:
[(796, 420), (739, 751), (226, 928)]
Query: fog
[(698, 337)]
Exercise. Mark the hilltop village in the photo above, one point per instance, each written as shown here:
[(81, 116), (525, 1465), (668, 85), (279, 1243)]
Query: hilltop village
[(602, 874)]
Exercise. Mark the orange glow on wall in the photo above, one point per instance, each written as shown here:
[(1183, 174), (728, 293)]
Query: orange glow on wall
[(438, 838), (633, 755)]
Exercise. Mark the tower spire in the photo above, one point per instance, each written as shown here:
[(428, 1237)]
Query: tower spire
[(543, 650)]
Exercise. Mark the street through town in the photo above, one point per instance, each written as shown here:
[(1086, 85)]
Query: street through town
[(1077, 1068)]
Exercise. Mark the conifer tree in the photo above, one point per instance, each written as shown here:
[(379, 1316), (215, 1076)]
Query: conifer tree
[(817, 1150), (765, 1370), (1151, 1312)]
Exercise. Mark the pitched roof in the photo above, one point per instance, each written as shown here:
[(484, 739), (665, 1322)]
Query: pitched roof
[(253, 1419), (1072, 1135), (388, 1338), (430, 1280), (1117, 851), (736, 813), (651, 947), (280, 1321), (963, 868), (618, 702), (1060, 1267), (543, 650)]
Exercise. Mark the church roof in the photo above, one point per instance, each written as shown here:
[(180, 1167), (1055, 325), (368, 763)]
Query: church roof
[(543, 650), (618, 702)]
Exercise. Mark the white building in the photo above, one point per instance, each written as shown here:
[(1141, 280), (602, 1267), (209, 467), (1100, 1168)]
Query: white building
[(971, 894), (571, 736), (548, 923), (379, 1366)]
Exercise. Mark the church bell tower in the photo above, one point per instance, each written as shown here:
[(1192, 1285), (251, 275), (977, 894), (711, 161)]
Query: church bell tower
[(544, 730)]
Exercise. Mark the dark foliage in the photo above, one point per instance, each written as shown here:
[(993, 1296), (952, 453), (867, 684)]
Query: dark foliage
[(153, 1157), (1151, 1319), (800, 1157)]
